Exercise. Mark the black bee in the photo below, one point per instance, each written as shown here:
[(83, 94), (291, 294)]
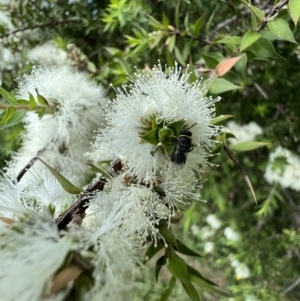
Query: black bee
[(183, 146)]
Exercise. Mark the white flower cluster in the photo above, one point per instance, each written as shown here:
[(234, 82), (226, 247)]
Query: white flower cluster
[(242, 133), (283, 168), (150, 122), (48, 54), (61, 136)]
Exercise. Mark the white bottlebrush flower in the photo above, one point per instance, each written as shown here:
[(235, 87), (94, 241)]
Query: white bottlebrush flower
[(48, 54), (145, 121), (213, 221), (62, 136), (242, 133), (231, 235), (30, 256), (136, 210), (283, 168)]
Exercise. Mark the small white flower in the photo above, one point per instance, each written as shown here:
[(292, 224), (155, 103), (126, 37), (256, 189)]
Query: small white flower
[(241, 270), (283, 168), (62, 137), (206, 232), (213, 221), (195, 230), (209, 247), (231, 235), (48, 54), (151, 107), (242, 133)]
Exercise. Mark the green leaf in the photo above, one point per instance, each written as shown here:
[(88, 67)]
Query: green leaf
[(210, 61), (294, 10), (196, 28), (176, 126), (179, 57), (8, 96), (241, 65), (230, 40), (281, 28), (264, 48), (91, 67), (42, 100), (159, 264), (151, 136), (248, 39), (165, 20), (183, 249), (152, 250), (32, 102), (191, 291), (171, 43), (167, 233), (220, 119), (177, 266), (16, 118), (65, 183), (221, 85), (196, 277), (113, 51), (247, 146), (256, 11), (8, 114), (167, 292)]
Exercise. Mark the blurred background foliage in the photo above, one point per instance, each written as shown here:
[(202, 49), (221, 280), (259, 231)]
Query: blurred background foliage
[(251, 250)]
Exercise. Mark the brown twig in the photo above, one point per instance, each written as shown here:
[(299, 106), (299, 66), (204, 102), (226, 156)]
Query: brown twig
[(271, 14), (77, 210), (38, 25), (31, 162)]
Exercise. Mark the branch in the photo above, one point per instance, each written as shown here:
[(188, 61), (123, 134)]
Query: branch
[(28, 165), (272, 13), (39, 25), (77, 210)]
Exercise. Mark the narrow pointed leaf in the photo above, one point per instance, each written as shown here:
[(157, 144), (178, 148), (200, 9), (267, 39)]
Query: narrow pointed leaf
[(167, 233), (16, 118), (8, 96), (264, 48), (247, 146), (221, 85), (193, 272), (191, 291), (178, 267), (167, 292), (41, 99), (294, 10), (159, 264), (248, 39), (281, 28), (32, 103), (65, 183), (183, 249), (220, 119), (8, 114), (152, 250)]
